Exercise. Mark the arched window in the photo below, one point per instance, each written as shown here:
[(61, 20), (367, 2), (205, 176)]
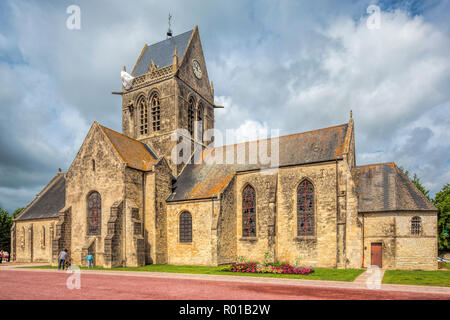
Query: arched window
[(248, 212), (143, 116), (154, 101), (191, 116), (416, 226), (94, 216), (200, 122), (185, 227), (305, 209)]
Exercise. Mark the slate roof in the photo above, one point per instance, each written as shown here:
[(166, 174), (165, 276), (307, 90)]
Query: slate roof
[(384, 187), (203, 180), (48, 202), (135, 153), (162, 53)]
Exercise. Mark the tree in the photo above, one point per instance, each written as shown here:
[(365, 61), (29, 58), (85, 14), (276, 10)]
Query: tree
[(442, 202), (5, 230), (16, 212)]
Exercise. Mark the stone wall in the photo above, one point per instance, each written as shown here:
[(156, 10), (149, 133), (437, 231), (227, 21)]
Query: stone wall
[(265, 185), (226, 230), (81, 179), (33, 240), (400, 249), (320, 250), (200, 250)]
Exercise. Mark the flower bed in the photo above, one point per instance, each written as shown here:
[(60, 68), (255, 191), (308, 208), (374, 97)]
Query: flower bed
[(258, 268)]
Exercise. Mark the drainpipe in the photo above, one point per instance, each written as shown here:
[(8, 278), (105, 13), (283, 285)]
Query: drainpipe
[(362, 266), (337, 217)]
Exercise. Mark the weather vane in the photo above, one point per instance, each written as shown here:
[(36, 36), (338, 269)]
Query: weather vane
[(169, 31)]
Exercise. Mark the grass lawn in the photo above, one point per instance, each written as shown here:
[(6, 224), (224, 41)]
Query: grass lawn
[(319, 273), (439, 278)]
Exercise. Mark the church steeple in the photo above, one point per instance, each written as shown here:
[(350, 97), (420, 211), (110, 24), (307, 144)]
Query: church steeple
[(170, 91)]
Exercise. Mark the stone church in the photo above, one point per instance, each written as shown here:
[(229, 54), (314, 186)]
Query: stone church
[(127, 200)]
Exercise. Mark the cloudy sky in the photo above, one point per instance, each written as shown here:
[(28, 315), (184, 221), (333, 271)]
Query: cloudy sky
[(288, 65)]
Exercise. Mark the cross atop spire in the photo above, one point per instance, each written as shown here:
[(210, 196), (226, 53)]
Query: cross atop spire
[(169, 31)]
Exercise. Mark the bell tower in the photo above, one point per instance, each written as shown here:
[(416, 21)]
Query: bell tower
[(170, 91)]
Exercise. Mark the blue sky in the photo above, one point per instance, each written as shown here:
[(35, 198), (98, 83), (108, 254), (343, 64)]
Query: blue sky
[(288, 65)]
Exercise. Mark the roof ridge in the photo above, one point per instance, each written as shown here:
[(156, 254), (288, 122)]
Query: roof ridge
[(123, 135), (287, 135), (392, 164)]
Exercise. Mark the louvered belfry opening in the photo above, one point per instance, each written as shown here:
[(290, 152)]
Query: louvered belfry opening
[(156, 112)]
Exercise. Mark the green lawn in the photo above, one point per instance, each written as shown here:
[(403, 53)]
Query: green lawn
[(440, 278), (319, 273)]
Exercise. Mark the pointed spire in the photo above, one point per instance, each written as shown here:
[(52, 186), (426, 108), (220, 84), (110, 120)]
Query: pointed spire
[(125, 68), (351, 114), (152, 65), (175, 60)]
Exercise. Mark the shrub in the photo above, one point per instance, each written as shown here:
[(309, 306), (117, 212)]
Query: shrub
[(258, 268)]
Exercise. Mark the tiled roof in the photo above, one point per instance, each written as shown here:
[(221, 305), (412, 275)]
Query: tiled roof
[(162, 53), (135, 153), (384, 187), (205, 180), (48, 202)]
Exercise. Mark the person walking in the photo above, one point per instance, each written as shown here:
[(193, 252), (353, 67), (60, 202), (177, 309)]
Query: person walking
[(90, 260), (62, 259), (1, 256)]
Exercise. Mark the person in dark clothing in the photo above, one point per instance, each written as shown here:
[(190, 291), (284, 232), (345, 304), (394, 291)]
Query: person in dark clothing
[(62, 259)]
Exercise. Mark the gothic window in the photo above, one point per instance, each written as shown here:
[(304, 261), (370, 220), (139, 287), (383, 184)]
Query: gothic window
[(200, 122), (94, 217), (185, 227), (305, 209), (191, 116), (248, 212), (143, 117), (416, 226), (156, 112)]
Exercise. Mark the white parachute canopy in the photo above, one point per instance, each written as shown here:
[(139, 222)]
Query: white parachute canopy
[(127, 79)]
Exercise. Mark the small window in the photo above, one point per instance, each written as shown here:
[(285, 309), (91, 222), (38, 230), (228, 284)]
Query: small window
[(248, 212), (416, 226), (93, 165), (185, 227)]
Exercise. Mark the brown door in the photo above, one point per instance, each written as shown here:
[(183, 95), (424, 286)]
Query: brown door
[(376, 255)]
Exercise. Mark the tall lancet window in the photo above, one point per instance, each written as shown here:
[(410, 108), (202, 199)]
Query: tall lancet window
[(156, 110), (305, 209), (94, 214), (200, 122), (191, 107), (143, 116), (248, 212)]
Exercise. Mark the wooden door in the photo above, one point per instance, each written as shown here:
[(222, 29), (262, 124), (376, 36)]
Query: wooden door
[(376, 254)]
